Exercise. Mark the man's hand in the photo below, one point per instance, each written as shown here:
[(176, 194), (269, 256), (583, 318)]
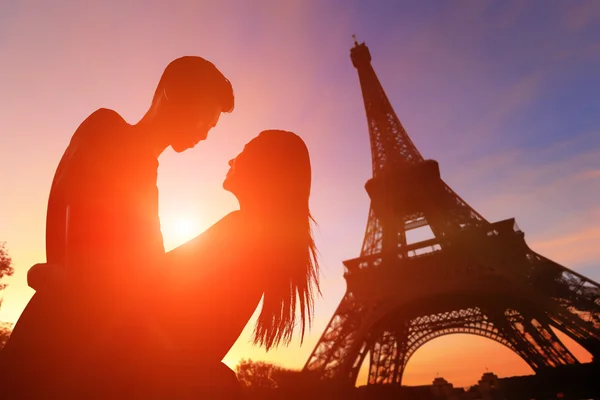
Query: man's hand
[(45, 276)]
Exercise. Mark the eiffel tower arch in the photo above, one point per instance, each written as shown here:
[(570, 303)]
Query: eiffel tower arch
[(469, 276)]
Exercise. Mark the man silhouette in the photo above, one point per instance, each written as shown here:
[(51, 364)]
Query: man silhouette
[(104, 245)]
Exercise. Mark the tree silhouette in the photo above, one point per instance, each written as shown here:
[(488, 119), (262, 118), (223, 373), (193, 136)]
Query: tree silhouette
[(256, 374), (260, 375), (6, 268), (5, 331)]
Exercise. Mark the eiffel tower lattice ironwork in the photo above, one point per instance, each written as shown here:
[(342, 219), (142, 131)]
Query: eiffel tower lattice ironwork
[(470, 276)]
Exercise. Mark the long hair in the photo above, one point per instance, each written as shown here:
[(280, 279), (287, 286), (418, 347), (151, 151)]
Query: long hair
[(293, 273)]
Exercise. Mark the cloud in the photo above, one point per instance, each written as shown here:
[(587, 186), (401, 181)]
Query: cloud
[(574, 247), (579, 16)]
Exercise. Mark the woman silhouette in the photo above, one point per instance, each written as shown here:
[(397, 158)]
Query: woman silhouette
[(264, 250)]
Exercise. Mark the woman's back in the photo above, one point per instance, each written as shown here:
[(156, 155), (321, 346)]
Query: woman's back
[(264, 250), (216, 283)]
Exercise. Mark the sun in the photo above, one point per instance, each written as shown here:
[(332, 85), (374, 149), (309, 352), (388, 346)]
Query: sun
[(184, 227), (178, 230)]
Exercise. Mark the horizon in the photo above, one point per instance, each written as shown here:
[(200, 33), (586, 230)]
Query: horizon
[(502, 94)]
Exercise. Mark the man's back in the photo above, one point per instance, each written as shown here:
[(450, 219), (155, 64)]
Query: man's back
[(107, 181), (103, 233)]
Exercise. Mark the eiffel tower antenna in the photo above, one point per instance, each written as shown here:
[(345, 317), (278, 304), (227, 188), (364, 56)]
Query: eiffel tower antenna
[(467, 276)]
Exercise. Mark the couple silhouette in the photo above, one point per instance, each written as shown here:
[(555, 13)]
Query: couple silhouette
[(114, 316)]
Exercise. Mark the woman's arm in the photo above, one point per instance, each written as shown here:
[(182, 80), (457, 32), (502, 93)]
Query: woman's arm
[(216, 283), (219, 252)]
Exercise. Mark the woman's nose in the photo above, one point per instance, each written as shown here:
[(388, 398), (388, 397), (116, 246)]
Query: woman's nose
[(231, 162)]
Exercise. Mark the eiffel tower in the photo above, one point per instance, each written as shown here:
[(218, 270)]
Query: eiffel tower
[(469, 276)]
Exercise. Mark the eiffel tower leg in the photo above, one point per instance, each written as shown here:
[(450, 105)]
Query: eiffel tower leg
[(572, 292), (364, 349), (533, 340), (381, 351), (582, 332), (550, 345), (512, 325), (387, 358), (400, 359), (345, 342), (331, 350)]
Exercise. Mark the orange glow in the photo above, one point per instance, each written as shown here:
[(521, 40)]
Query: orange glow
[(290, 68)]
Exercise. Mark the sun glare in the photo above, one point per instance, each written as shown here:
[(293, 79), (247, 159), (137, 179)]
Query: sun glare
[(184, 227), (178, 230)]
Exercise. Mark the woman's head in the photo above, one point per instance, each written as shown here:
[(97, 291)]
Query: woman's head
[(271, 178), (272, 166)]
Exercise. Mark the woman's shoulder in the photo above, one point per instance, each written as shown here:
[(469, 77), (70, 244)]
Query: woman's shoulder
[(233, 218), (236, 228), (231, 225), (229, 232), (227, 245)]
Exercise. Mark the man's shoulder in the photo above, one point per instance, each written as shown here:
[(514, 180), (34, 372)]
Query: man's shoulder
[(103, 126), (104, 116)]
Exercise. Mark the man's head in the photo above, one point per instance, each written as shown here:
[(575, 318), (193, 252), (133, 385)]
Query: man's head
[(191, 95)]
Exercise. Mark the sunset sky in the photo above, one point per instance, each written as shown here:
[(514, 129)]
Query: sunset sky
[(504, 94)]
